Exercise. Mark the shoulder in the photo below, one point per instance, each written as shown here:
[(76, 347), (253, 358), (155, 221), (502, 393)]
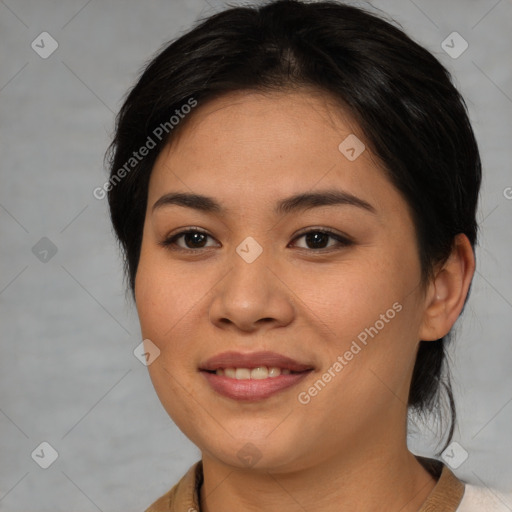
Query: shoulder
[(184, 495), (164, 503), (478, 499)]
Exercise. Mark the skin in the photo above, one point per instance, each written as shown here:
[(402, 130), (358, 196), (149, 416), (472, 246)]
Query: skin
[(346, 449)]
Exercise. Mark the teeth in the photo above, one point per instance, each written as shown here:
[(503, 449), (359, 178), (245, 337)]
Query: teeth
[(262, 372), (258, 373), (274, 372), (242, 373), (230, 372)]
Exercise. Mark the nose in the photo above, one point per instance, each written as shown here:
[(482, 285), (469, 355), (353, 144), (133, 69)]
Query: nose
[(252, 296)]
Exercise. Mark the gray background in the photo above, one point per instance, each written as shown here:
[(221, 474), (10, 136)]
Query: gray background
[(68, 375)]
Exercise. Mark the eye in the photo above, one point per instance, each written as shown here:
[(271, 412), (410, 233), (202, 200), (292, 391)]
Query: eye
[(192, 238), (318, 238)]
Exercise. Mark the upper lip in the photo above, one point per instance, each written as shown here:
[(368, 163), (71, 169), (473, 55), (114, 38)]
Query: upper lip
[(253, 360)]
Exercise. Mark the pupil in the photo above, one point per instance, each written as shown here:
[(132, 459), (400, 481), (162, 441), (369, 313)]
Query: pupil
[(316, 239), (194, 239)]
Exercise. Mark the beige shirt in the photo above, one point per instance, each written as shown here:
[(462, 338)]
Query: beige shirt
[(447, 496)]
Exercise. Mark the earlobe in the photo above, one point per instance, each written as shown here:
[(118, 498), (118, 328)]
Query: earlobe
[(448, 291)]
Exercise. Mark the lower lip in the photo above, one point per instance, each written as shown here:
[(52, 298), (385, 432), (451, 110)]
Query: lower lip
[(252, 389)]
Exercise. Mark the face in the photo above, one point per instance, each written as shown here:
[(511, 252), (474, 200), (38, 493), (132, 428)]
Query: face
[(329, 280)]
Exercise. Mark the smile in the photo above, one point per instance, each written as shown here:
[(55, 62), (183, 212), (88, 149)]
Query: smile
[(252, 376), (240, 384), (261, 372)]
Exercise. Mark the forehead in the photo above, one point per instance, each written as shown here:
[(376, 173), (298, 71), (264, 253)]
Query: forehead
[(258, 124), (251, 145)]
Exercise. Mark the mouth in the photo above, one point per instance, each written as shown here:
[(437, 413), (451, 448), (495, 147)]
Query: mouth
[(257, 373), (254, 376)]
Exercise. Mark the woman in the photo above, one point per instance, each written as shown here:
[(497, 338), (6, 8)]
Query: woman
[(294, 187)]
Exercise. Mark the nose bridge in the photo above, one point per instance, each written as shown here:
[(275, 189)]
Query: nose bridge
[(249, 281), (250, 292)]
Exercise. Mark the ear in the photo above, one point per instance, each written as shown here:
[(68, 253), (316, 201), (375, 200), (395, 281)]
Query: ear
[(447, 292)]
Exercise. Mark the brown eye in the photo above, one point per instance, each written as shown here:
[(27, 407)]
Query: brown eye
[(319, 239), (193, 239)]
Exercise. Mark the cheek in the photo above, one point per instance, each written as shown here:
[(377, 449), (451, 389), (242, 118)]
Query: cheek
[(371, 310), (162, 304), (354, 295), (171, 301), (163, 295)]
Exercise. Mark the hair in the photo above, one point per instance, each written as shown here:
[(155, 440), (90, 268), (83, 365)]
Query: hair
[(412, 117)]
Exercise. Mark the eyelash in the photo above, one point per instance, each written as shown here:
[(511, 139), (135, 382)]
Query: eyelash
[(343, 241)]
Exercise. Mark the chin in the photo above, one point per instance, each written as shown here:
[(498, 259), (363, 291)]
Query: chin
[(252, 450)]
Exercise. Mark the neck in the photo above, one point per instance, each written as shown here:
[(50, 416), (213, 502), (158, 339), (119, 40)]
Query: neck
[(365, 478)]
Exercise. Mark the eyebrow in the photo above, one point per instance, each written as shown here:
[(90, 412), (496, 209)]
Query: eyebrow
[(298, 202)]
